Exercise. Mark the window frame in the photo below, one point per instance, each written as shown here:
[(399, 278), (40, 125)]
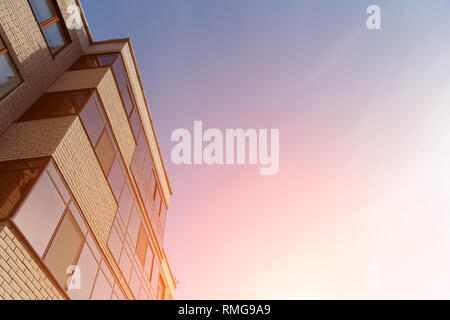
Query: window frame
[(47, 23), (7, 51), (129, 86)]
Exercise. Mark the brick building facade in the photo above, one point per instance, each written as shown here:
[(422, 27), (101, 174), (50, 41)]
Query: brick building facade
[(83, 188)]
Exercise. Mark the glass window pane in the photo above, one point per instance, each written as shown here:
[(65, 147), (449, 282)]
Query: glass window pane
[(54, 174), (88, 268), (135, 283), (135, 124), (92, 121), (15, 184), (65, 249), (53, 105), (40, 214), (125, 203), (142, 244), (54, 34), (134, 225), (148, 262), (116, 178), (125, 265), (114, 243), (102, 289), (77, 215), (105, 152), (86, 62), (107, 59), (127, 100), (120, 74), (42, 9), (9, 76)]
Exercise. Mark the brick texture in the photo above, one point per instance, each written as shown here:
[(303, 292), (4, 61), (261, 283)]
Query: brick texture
[(33, 139), (79, 166), (27, 46), (21, 274)]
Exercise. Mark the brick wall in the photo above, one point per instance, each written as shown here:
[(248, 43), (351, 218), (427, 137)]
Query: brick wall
[(27, 46), (33, 139), (21, 274), (83, 174)]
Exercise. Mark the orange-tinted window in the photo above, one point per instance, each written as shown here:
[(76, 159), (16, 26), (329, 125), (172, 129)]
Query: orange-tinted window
[(105, 152), (64, 249), (56, 104), (142, 244), (17, 178)]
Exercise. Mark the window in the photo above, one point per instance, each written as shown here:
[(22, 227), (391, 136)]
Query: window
[(95, 61), (9, 76), (64, 249), (115, 60), (17, 178), (39, 215), (105, 152), (92, 120), (142, 244), (57, 104), (52, 25)]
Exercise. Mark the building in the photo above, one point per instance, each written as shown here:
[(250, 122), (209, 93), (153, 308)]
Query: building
[(83, 188)]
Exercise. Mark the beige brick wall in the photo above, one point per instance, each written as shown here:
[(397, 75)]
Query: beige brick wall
[(106, 47), (23, 36), (83, 174), (103, 80), (33, 139), (78, 79), (117, 116), (65, 139), (21, 274), (144, 113)]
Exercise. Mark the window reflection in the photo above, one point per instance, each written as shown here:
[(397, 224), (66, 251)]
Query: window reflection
[(64, 249), (57, 104), (9, 76), (17, 178), (92, 121), (40, 213), (51, 23)]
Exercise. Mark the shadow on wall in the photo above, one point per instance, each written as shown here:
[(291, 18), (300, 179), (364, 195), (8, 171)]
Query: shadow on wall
[(39, 71)]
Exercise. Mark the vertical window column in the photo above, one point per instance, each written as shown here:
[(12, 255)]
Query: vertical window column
[(51, 23)]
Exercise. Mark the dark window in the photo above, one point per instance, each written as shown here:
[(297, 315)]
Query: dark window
[(9, 76), (17, 178), (52, 25), (105, 152), (64, 249), (108, 59), (123, 84), (95, 61), (142, 244), (57, 104), (92, 120)]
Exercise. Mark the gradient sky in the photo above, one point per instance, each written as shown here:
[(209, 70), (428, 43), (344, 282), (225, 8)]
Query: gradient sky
[(364, 142)]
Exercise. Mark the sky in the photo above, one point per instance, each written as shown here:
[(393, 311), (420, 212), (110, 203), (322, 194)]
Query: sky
[(360, 206)]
